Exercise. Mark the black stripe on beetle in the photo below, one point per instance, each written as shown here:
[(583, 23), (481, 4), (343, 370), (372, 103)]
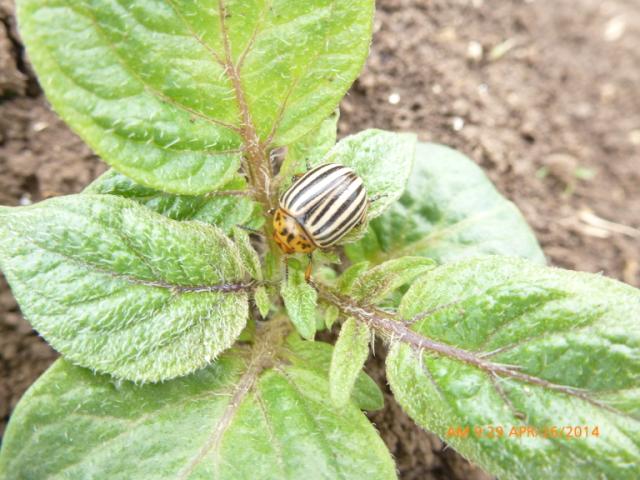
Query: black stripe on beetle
[(319, 209)]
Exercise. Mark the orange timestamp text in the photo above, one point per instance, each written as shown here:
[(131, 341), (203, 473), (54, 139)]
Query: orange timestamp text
[(497, 432)]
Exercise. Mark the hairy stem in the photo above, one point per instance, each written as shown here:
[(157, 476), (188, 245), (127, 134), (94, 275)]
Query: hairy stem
[(256, 161), (257, 164), (269, 338), (393, 330)]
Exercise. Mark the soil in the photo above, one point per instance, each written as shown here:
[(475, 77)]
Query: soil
[(544, 97)]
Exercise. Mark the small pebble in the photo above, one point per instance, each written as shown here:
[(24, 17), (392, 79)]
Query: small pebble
[(457, 123), (615, 28), (25, 199), (475, 51), (39, 126)]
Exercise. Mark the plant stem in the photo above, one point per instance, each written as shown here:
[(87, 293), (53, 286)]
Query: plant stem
[(258, 164), (393, 330), (256, 161), (269, 338)]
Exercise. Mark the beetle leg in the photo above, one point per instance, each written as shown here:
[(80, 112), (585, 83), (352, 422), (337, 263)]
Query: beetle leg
[(307, 271)]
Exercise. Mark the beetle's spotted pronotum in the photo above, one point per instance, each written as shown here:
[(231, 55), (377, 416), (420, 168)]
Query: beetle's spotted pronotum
[(319, 209)]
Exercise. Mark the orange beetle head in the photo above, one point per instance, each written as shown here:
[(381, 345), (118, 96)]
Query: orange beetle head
[(289, 235)]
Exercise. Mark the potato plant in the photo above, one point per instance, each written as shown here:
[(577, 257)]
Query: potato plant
[(187, 342)]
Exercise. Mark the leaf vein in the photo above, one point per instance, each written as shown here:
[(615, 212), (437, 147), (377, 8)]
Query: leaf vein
[(132, 426), (224, 287), (272, 436), (542, 336), (294, 83), (100, 30), (326, 445)]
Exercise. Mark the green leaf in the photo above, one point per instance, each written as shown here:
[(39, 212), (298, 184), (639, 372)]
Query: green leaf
[(237, 419), (309, 149), (376, 283), (319, 318), (324, 273), (249, 331), (250, 258), (263, 302), (349, 354), (221, 210), (577, 333), (350, 276), (300, 300), (272, 265), (449, 211), (366, 393), (169, 92), (331, 314), (120, 289), (326, 257), (382, 159)]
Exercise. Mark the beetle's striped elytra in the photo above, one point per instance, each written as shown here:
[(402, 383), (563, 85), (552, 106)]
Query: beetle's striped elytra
[(319, 209)]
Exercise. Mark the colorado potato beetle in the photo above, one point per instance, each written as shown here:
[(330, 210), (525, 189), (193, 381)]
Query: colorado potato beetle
[(319, 209)]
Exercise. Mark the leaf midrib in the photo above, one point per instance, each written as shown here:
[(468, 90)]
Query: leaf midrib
[(243, 388), (388, 326), (139, 281), (325, 443), (277, 445)]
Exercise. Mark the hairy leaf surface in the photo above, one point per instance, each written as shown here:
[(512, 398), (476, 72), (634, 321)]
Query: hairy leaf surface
[(224, 211), (240, 418), (170, 92), (331, 314), (349, 354), (262, 300), (449, 211), (300, 300), (120, 289), (376, 283), (347, 279), (577, 333), (248, 254), (310, 149), (366, 393), (382, 159)]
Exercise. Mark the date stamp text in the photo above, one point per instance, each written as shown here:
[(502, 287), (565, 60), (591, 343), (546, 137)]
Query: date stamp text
[(497, 432)]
